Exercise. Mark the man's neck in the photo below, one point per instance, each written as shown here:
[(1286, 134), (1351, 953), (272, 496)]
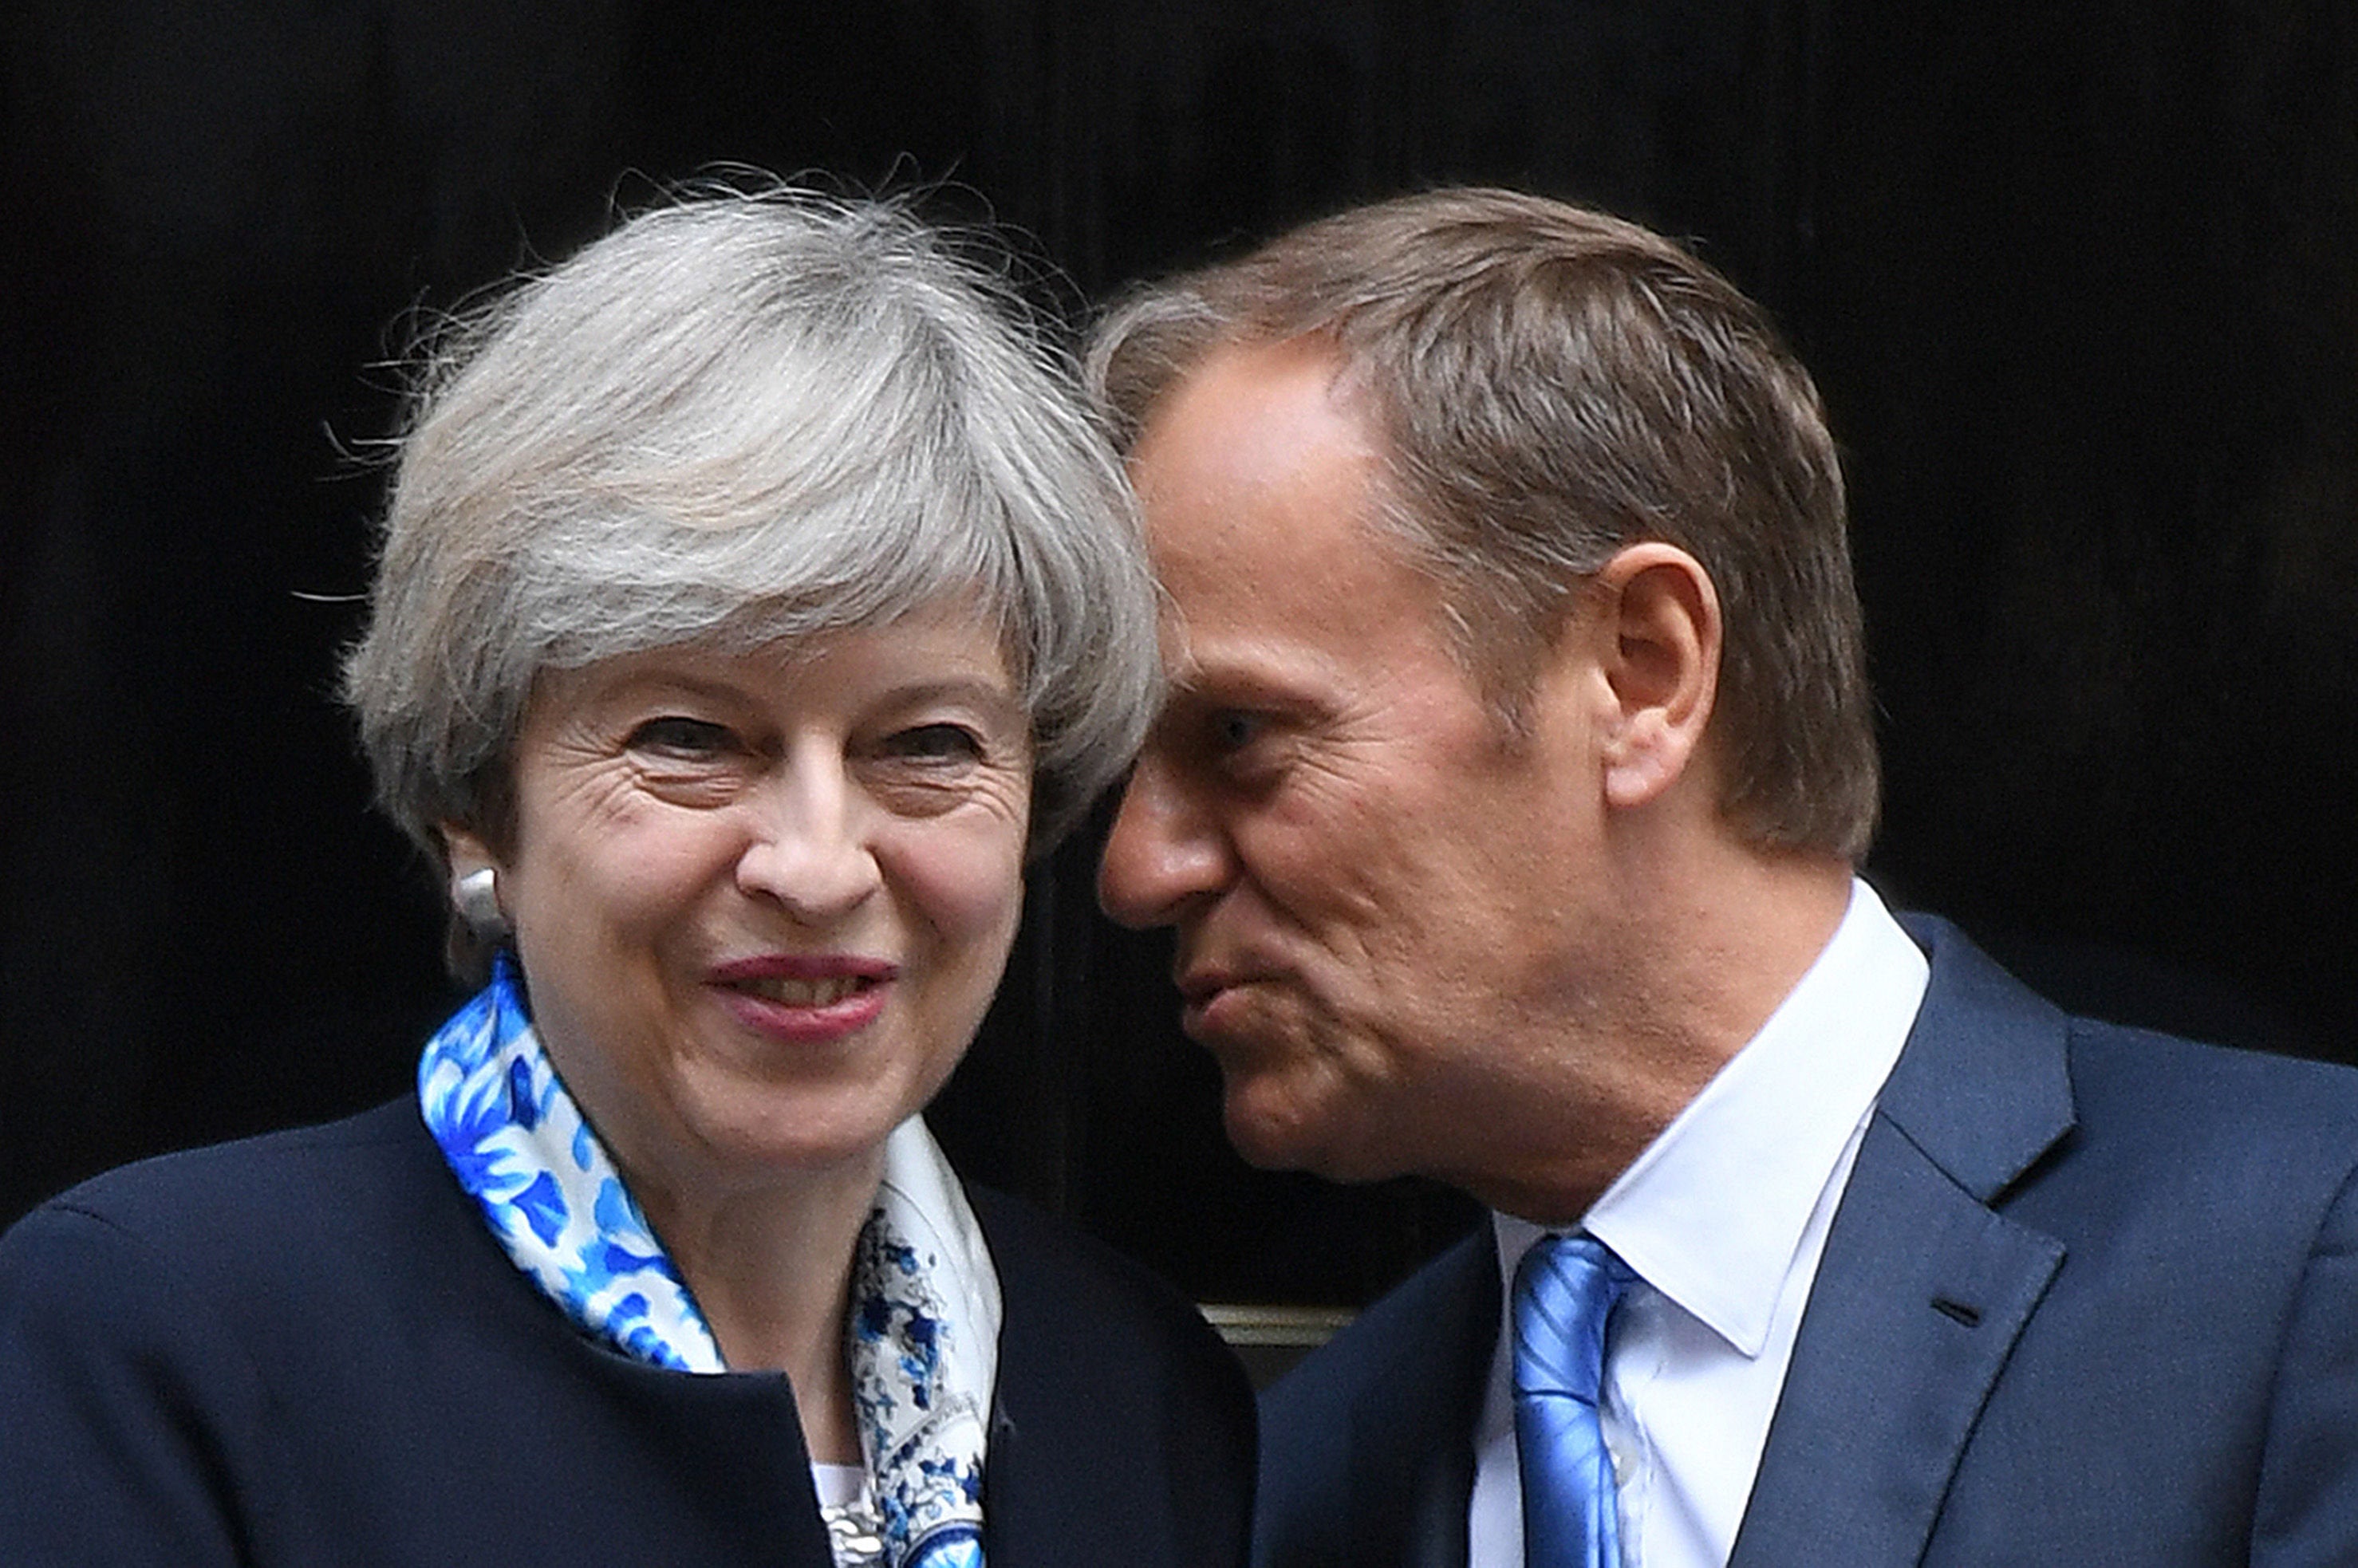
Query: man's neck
[(1716, 945)]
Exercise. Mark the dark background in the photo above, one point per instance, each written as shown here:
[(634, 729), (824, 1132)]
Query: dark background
[(2080, 280)]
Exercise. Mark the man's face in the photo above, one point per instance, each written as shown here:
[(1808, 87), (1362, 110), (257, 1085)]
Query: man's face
[(1386, 910)]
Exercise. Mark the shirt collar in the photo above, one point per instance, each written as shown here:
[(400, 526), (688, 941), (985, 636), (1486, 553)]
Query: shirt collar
[(1712, 1213)]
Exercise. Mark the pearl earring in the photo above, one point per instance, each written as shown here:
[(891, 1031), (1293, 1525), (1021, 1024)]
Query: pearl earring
[(476, 896)]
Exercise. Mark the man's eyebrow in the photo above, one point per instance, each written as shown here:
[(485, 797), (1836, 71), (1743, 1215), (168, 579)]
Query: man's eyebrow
[(1213, 684), (1192, 672)]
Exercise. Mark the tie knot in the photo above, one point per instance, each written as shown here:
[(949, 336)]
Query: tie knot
[(1565, 1289)]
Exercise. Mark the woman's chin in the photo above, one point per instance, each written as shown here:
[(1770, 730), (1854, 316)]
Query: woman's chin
[(768, 1137)]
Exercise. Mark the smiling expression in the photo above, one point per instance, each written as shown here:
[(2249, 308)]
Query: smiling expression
[(762, 900)]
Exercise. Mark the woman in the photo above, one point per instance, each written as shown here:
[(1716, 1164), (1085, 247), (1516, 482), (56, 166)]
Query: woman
[(753, 599)]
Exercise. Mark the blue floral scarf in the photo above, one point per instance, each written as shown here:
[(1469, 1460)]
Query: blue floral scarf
[(922, 1339)]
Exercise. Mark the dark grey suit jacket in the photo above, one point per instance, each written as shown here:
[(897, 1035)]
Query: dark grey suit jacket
[(2091, 1297)]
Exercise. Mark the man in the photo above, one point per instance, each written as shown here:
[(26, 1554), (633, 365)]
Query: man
[(1517, 762)]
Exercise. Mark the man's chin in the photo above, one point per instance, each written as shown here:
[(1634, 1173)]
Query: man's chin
[(1264, 1138), (1283, 1138)]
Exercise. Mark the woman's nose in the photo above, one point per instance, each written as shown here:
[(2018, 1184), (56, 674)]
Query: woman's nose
[(807, 847), (1166, 848)]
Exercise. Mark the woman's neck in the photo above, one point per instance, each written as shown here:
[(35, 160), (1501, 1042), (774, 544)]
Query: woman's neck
[(771, 1270)]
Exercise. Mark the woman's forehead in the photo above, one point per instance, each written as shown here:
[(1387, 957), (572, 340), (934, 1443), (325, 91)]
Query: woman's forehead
[(946, 646)]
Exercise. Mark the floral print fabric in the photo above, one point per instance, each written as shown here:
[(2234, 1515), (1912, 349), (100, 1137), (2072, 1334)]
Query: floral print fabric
[(921, 1340)]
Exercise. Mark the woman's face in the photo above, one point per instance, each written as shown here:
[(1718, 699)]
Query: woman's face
[(762, 900)]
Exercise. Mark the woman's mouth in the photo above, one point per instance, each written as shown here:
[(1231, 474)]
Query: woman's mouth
[(804, 998), (788, 992)]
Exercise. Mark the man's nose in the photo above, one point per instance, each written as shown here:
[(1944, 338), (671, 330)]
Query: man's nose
[(1166, 848), (807, 842)]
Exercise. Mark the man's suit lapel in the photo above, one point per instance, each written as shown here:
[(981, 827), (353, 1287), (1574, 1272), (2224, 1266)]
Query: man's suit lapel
[(1412, 1430), (1923, 1290)]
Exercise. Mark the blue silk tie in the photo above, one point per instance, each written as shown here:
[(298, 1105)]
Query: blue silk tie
[(1565, 1289)]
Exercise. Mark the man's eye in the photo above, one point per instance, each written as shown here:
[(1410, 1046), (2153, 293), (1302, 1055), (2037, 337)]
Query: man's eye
[(679, 736), (1234, 729), (936, 743)]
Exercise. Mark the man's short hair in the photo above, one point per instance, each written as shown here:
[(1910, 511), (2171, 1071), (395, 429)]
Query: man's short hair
[(1550, 384)]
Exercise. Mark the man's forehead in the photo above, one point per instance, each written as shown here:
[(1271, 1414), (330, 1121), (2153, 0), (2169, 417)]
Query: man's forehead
[(1256, 404)]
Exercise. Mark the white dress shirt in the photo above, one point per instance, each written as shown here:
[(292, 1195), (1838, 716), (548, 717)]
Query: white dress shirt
[(1724, 1217)]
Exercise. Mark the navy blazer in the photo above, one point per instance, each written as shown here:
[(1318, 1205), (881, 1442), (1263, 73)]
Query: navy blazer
[(307, 1348), (2091, 1297)]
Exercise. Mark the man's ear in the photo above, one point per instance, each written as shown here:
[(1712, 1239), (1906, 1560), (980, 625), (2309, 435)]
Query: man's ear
[(1656, 632)]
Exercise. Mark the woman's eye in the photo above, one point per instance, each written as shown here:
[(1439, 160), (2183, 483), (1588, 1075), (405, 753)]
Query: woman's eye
[(936, 743), (681, 736)]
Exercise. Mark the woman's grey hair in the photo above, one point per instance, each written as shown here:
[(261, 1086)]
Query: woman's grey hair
[(741, 418)]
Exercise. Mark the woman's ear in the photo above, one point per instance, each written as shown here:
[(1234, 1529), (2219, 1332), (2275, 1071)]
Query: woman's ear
[(464, 850), (474, 882), (1657, 633)]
